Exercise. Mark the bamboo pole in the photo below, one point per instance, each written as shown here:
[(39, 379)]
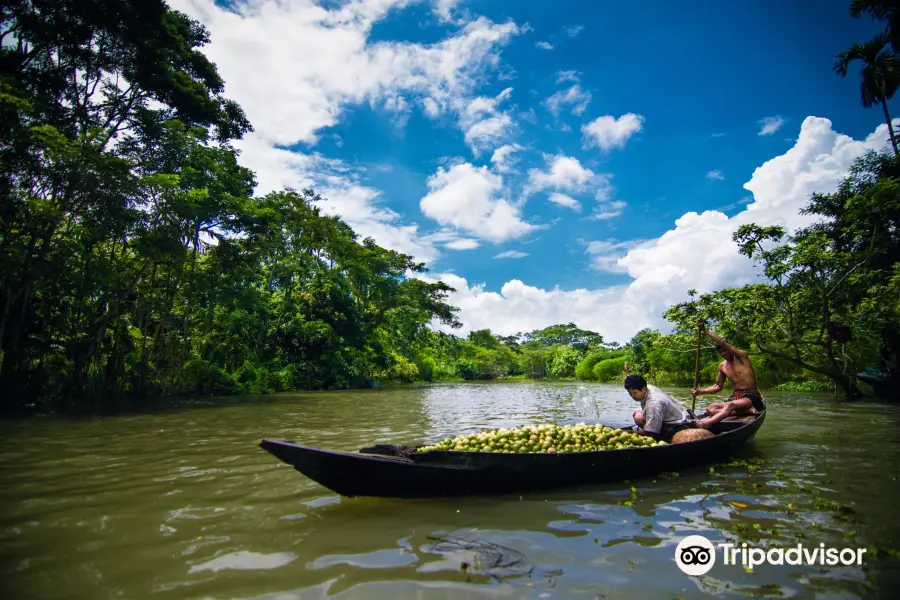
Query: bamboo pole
[(696, 371)]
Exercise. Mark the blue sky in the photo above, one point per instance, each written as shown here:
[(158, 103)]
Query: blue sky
[(448, 128)]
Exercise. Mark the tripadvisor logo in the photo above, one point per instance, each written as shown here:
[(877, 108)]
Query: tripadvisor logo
[(696, 555)]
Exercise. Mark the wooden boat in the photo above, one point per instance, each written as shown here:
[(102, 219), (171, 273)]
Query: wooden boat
[(390, 471)]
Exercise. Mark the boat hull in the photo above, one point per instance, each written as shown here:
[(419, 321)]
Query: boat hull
[(437, 474)]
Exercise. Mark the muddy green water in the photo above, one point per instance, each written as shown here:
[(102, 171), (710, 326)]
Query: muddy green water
[(183, 504)]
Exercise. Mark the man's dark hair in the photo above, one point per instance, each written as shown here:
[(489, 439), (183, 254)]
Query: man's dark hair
[(635, 382)]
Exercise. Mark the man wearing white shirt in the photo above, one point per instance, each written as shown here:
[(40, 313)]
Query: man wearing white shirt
[(660, 416)]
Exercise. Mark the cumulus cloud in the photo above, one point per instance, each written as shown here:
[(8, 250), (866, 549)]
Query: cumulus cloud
[(696, 253), (484, 124), (544, 45), (574, 30), (606, 255), (575, 97), (770, 125), (562, 173), (293, 66), (502, 157), (715, 175), (512, 254), (471, 199), (608, 132), (566, 174), (564, 201)]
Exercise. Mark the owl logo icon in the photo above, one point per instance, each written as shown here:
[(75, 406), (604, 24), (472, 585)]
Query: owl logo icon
[(695, 555)]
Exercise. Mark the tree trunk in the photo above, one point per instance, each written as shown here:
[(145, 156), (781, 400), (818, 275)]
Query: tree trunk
[(887, 117)]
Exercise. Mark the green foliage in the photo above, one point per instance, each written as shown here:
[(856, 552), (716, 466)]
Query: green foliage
[(426, 368), (809, 386), (568, 335), (641, 346), (561, 360), (585, 368), (136, 260), (609, 369), (839, 271)]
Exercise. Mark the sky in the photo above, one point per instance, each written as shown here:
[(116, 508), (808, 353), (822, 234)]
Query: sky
[(554, 162)]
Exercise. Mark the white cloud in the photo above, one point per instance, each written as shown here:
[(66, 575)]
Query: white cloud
[(331, 63), (512, 254), (488, 132), (715, 175), (484, 125), (608, 132), (358, 207), (770, 125), (444, 9), (518, 307), (574, 96), (606, 255), (563, 76), (562, 173), (718, 134), (529, 116), (566, 174), (471, 199), (574, 30), (502, 157), (463, 244), (450, 240), (696, 253), (608, 210), (605, 188), (544, 45), (564, 201)]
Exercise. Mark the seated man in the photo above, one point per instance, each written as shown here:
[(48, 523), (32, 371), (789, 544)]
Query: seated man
[(660, 416), (745, 399)]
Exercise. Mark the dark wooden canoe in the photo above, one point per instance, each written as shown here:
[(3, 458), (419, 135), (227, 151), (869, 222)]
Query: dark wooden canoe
[(392, 472)]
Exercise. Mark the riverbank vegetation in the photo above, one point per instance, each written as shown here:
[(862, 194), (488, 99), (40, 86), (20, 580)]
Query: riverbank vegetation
[(136, 260)]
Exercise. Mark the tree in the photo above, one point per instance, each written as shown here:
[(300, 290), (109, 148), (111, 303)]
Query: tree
[(568, 334), (881, 10), (829, 303), (879, 75), (641, 345)]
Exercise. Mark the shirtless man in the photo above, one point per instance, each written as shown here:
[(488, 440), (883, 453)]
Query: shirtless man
[(745, 398)]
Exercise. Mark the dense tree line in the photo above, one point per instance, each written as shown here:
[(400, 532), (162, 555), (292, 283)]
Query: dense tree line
[(135, 259)]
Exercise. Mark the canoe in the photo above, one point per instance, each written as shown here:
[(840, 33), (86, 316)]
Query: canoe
[(396, 471)]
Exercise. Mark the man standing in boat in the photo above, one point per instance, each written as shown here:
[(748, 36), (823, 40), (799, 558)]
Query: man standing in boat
[(745, 399)]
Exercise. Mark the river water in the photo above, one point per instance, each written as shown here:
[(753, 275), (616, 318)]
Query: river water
[(182, 503)]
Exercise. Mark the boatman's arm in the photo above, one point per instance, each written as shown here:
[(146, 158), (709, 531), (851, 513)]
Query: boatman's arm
[(720, 340), (720, 383)]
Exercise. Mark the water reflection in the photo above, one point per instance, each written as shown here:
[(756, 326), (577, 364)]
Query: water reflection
[(184, 504), (453, 409)]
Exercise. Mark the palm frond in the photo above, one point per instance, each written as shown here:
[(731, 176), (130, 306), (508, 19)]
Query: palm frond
[(877, 9)]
